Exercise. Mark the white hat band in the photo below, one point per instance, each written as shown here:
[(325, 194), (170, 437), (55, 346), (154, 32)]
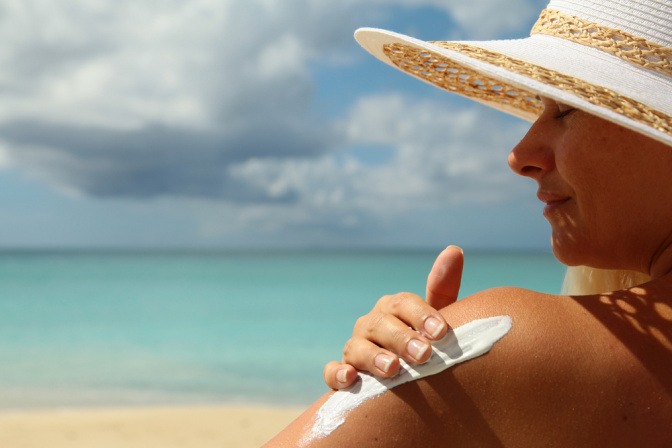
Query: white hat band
[(635, 50)]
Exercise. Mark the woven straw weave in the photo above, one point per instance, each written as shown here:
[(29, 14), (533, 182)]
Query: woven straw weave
[(454, 77), (633, 49)]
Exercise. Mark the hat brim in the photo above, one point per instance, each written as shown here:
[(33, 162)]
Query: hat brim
[(510, 75)]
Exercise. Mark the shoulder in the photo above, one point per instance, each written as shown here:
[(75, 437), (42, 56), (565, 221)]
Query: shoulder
[(570, 372), (560, 377), (538, 319), (512, 396), (572, 369)]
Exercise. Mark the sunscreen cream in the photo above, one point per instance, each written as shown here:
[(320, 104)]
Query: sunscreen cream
[(466, 342)]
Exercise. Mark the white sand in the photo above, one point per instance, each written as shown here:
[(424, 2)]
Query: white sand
[(202, 427)]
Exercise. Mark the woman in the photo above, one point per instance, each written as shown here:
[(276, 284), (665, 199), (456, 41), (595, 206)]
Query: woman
[(589, 370)]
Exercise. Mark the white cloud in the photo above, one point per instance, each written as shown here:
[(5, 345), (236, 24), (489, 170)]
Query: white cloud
[(90, 64), (443, 154), (438, 158), (144, 99), (213, 100), (124, 64)]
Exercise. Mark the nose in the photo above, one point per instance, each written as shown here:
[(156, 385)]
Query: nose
[(532, 156)]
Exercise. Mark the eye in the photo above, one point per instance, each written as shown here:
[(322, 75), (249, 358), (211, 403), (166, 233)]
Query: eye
[(563, 110)]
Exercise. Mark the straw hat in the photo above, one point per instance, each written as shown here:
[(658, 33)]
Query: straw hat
[(611, 58)]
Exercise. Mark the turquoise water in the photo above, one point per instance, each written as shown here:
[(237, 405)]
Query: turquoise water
[(127, 328)]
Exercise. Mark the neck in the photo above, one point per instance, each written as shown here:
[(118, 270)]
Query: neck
[(662, 262)]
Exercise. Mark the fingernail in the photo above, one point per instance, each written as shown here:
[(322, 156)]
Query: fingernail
[(433, 327), (383, 362), (417, 348), (457, 247), (342, 375)]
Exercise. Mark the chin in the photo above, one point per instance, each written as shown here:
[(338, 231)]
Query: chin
[(569, 254)]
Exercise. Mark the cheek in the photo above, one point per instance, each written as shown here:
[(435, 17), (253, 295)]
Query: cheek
[(605, 219), (595, 180), (588, 227), (601, 212)]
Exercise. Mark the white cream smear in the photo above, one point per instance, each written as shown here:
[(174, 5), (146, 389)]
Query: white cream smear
[(466, 342)]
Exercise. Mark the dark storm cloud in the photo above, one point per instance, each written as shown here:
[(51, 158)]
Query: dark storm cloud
[(155, 160)]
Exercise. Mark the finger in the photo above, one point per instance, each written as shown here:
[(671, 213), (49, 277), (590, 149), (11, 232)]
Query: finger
[(338, 375), (409, 309), (386, 330), (443, 281), (366, 356)]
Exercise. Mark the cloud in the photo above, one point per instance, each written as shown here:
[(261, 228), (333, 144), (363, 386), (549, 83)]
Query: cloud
[(435, 158), (443, 155), (133, 99), (215, 100)]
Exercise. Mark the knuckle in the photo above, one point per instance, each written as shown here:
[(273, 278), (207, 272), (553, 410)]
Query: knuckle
[(392, 299), (382, 302), (327, 370), (396, 302), (385, 298), (373, 325), (361, 323), (399, 302), (400, 338), (367, 325), (348, 348)]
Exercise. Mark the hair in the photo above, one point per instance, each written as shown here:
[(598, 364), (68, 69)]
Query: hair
[(584, 280)]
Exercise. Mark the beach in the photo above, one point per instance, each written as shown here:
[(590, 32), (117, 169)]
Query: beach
[(161, 427), (196, 349)]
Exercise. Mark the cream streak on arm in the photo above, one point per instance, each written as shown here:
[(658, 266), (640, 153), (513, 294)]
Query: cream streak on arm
[(466, 342)]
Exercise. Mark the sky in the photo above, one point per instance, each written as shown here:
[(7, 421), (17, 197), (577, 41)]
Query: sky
[(250, 124)]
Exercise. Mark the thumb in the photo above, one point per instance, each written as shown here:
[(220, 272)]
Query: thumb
[(443, 281)]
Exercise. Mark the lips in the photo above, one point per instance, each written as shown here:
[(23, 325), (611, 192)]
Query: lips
[(553, 201)]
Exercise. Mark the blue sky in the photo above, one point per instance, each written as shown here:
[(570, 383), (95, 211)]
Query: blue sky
[(250, 123)]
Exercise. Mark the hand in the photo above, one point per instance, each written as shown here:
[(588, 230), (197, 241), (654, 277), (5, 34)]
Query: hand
[(403, 323)]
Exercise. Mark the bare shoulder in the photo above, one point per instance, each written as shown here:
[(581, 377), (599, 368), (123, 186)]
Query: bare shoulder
[(571, 372)]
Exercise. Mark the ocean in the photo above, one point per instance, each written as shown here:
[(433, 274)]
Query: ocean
[(127, 328)]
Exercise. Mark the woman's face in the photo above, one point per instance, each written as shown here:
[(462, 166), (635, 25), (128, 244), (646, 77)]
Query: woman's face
[(607, 189)]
